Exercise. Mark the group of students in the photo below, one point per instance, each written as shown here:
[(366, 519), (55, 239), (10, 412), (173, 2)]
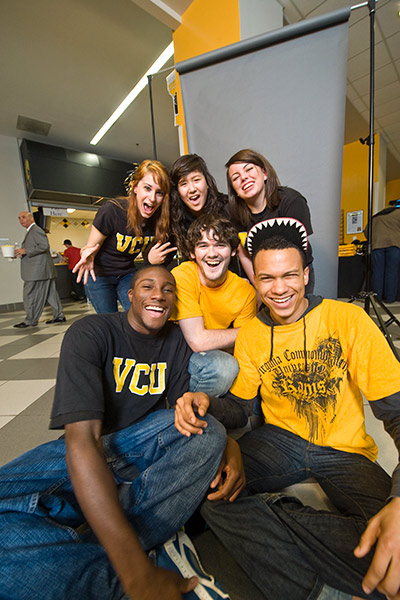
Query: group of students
[(155, 217), (146, 406)]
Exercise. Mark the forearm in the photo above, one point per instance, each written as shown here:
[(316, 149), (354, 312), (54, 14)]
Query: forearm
[(96, 492), (246, 263), (95, 237), (200, 339), (388, 410), (231, 411)]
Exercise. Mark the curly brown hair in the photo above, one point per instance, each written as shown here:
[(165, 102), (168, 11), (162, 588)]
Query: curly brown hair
[(219, 227)]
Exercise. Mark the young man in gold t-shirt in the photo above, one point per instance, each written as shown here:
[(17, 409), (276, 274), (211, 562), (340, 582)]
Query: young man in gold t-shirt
[(212, 303), (310, 360)]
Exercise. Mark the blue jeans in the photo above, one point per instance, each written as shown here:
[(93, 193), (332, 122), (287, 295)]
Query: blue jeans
[(161, 476), (212, 372), (290, 550), (385, 272), (105, 292)]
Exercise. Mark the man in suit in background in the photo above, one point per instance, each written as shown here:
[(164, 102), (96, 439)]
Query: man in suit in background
[(38, 274)]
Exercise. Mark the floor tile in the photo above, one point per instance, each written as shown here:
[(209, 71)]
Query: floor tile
[(44, 349), (6, 339), (34, 368), (16, 396), (4, 421)]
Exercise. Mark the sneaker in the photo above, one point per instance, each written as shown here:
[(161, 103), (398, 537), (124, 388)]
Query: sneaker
[(179, 554)]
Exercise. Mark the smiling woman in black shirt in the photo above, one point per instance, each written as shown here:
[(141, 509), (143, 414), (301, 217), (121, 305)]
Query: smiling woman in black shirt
[(121, 230)]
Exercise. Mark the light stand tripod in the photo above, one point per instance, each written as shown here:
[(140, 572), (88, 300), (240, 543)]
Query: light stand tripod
[(368, 296)]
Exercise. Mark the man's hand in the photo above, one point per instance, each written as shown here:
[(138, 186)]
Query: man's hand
[(384, 571), (230, 478), (160, 584), (186, 421), (20, 252)]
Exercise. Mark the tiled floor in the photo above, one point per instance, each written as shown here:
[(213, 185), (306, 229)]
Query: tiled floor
[(28, 369)]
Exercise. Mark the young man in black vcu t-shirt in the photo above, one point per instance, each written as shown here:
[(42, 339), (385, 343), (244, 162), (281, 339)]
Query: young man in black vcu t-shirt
[(124, 469)]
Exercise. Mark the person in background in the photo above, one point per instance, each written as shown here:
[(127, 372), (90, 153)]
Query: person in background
[(38, 273), (386, 253), (255, 194), (121, 231), (72, 255)]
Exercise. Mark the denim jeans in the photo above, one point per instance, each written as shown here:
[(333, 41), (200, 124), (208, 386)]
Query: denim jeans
[(161, 475), (212, 372), (105, 292), (290, 550), (385, 272)]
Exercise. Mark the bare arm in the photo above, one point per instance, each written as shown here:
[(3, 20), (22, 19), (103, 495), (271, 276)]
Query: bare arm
[(201, 339), (96, 492), (246, 263), (85, 266)]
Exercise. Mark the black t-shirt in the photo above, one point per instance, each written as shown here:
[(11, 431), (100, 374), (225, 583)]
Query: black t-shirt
[(109, 371), (293, 205), (121, 246)]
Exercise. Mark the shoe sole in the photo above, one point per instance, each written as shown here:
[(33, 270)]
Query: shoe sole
[(187, 571)]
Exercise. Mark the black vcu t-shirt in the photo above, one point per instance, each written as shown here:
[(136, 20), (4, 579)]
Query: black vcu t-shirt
[(109, 371)]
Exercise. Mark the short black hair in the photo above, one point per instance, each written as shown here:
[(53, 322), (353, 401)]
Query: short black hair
[(146, 268), (222, 229), (279, 242), (67, 242)]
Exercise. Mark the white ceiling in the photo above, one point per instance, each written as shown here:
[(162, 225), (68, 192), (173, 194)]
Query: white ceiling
[(69, 63)]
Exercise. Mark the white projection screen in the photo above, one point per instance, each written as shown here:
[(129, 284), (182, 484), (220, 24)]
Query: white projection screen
[(283, 94)]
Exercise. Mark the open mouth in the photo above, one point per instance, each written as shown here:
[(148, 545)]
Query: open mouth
[(282, 302), (148, 208), (213, 264), (155, 310)]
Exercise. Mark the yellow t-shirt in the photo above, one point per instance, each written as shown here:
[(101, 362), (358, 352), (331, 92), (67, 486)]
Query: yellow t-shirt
[(345, 352), (232, 303)]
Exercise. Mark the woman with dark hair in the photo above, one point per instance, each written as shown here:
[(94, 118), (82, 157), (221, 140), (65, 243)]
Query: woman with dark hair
[(255, 194), (193, 192), (121, 230)]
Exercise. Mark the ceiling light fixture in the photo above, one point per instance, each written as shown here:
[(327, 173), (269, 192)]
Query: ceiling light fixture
[(141, 84)]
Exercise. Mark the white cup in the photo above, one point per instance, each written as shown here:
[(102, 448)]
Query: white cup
[(8, 250)]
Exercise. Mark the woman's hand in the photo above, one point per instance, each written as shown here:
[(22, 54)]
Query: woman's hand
[(85, 266), (159, 252)]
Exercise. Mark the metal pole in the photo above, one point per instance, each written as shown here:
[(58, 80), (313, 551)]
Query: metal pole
[(153, 131), (371, 6)]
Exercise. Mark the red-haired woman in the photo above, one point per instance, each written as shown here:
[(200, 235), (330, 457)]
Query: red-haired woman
[(121, 230)]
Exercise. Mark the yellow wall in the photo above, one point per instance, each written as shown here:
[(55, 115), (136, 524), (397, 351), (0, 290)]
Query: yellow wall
[(355, 181), (392, 190), (206, 25)]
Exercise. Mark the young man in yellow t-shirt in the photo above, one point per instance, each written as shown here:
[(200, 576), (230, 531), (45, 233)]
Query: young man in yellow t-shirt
[(310, 359), (212, 303)]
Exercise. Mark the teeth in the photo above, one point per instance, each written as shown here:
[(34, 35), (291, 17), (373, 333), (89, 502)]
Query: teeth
[(156, 308), (281, 300)]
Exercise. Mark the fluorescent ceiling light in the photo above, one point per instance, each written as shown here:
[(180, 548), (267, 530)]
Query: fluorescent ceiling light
[(141, 84), (71, 210)]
